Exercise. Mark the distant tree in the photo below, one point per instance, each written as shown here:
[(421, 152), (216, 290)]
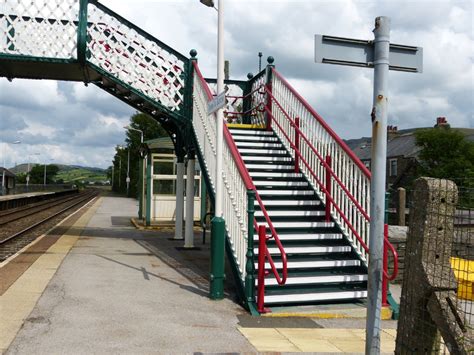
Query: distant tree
[(151, 130), (445, 153), (37, 174)]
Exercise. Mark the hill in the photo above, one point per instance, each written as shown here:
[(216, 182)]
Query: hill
[(70, 173)]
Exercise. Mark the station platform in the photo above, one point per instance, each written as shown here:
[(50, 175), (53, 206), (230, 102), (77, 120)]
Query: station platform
[(26, 194), (96, 284)]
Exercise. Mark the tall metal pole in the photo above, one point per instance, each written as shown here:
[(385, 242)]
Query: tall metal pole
[(128, 172), (377, 187), (113, 163), (44, 175), (120, 170), (218, 223), (3, 172)]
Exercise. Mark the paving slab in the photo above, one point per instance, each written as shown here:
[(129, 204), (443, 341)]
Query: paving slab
[(113, 294)]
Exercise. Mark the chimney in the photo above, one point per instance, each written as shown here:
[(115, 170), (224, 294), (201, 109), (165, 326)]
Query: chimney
[(441, 122), (392, 132)]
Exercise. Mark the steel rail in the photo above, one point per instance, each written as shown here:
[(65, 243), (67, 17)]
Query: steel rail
[(44, 220), (43, 204)]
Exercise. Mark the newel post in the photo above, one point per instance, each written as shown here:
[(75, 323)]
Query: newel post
[(328, 188), (268, 84)]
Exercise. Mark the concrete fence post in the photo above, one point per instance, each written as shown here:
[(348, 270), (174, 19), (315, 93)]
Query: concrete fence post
[(401, 208), (428, 307)]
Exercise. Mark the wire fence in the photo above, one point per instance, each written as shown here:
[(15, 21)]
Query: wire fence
[(436, 310)]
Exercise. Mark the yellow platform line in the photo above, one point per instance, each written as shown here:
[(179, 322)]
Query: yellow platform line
[(19, 300), (386, 314), (318, 340)]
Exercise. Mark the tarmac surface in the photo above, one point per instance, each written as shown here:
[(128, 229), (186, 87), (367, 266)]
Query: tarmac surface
[(105, 287)]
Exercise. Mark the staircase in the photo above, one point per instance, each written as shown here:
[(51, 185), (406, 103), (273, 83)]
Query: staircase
[(322, 264)]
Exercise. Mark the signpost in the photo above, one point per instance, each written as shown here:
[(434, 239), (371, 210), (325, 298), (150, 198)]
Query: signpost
[(217, 103), (382, 56)]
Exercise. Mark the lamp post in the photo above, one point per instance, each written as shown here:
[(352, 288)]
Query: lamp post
[(44, 175), (4, 163), (218, 223), (128, 164)]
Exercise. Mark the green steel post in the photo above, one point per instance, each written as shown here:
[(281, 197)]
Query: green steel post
[(247, 101), (268, 83), (140, 188), (250, 266), (203, 198), (82, 32), (149, 192), (216, 291), (189, 85)]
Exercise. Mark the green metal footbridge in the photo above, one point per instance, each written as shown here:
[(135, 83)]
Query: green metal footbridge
[(296, 204)]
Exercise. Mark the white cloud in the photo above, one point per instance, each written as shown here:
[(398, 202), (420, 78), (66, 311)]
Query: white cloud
[(83, 124)]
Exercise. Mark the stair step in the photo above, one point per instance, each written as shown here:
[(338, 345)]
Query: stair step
[(315, 297), (265, 158), (284, 203), (285, 192), (280, 183), (259, 145), (300, 213), (241, 138), (263, 151), (285, 167), (265, 174), (312, 280), (250, 132), (308, 250), (307, 264), (301, 224), (294, 237)]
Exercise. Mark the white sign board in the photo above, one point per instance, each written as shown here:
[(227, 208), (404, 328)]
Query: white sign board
[(360, 53), (217, 103)]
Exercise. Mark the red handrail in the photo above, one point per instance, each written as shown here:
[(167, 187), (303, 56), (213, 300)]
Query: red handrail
[(321, 185), (250, 186), (333, 134), (354, 158), (315, 151)]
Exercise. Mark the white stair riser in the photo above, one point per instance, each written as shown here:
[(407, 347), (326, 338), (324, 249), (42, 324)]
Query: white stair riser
[(269, 158), (314, 264), (311, 280), (313, 297), (286, 167), (308, 250), (284, 203), (259, 145), (250, 132), (280, 183), (257, 174), (302, 224), (285, 192), (305, 237), (290, 213), (263, 151), (259, 139)]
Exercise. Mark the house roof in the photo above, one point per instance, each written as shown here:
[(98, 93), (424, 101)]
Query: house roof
[(7, 172), (402, 144)]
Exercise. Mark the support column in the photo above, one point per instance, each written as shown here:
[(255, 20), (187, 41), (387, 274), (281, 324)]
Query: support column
[(203, 196), (178, 230), (140, 188), (189, 220), (149, 191)]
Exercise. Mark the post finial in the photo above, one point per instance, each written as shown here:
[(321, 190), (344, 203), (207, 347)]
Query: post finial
[(193, 53), (270, 60)]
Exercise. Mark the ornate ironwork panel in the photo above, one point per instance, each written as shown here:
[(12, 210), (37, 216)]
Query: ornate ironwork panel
[(39, 28)]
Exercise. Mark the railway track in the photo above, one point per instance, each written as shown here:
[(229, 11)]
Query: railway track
[(20, 227)]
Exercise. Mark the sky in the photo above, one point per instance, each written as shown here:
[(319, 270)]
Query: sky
[(69, 123)]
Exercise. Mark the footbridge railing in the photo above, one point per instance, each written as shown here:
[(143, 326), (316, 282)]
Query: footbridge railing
[(99, 46)]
